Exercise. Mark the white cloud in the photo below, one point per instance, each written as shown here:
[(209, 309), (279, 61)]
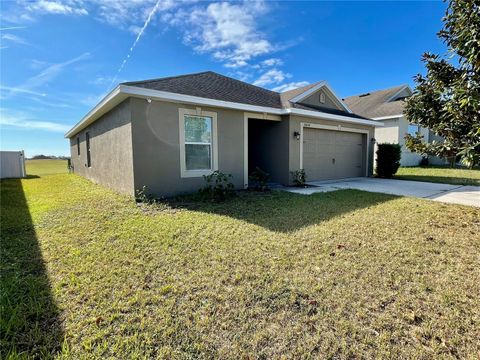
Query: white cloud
[(12, 28), (21, 120), (273, 76), (272, 62), (228, 31), (128, 13), (10, 89), (41, 79), (290, 86), (70, 7), (14, 38), (101, 80), (91, 100), (37, 64), (51, 72)]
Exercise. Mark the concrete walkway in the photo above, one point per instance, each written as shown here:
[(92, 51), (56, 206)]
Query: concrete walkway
[(455, 194)]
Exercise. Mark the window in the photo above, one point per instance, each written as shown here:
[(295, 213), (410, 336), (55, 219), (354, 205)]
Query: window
[(87, 140), (322, 97), (413, 129), (78, 145), (197, 142)]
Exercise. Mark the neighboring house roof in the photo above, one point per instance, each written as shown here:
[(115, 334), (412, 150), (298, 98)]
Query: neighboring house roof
[(212, 89), (380, 103)]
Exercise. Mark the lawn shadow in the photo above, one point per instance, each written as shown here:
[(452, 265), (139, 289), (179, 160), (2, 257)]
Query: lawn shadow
[(285, 212), (30, 321)]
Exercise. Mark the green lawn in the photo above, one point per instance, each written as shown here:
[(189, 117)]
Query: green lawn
[(86, 273), (45, 167), (440, 175)]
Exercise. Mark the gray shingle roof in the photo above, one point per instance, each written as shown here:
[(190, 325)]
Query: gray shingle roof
[(374, 104), (211, 85)]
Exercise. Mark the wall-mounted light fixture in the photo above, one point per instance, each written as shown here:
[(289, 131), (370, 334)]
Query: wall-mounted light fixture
[(296, 135), (373, 140)]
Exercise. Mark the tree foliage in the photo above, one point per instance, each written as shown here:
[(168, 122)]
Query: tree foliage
[(447, 99)]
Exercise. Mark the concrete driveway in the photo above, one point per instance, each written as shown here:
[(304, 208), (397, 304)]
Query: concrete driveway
[(464, 195)]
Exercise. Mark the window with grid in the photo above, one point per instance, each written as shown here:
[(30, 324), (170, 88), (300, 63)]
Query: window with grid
[(198, 142)]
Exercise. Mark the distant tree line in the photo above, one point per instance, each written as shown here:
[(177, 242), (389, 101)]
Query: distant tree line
[(44, 157)]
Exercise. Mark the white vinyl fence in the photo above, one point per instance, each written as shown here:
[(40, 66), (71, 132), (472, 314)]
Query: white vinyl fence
[(12, 164)]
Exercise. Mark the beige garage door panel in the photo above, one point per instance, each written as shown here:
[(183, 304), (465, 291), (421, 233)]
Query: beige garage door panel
[(333, 154)]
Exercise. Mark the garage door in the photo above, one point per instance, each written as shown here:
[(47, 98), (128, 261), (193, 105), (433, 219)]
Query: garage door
[(333, 154)]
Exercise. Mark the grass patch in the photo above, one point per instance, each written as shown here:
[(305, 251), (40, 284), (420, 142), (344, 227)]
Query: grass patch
[(86, 273), (43, 167), (440, 175)]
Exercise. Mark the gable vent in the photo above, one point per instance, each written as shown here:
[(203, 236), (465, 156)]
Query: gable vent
[(322, 97)]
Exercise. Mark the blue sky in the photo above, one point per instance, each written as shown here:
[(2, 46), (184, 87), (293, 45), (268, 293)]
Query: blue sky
[(60, 57)]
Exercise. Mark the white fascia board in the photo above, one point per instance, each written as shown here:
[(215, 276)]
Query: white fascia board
[(388, 117), (107, 103), (122, 92), (321, 84), (326, 116)]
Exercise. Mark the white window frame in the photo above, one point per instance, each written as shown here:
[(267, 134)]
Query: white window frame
[(184, 173)]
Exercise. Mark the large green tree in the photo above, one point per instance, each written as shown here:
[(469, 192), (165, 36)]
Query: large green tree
[(447, 99)]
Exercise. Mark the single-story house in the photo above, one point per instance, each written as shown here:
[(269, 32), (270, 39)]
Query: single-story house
[(387, 106), (167, 133)]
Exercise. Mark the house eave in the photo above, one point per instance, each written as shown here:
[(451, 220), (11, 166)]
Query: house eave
[(340, 118), (122, 92), (110, 100)]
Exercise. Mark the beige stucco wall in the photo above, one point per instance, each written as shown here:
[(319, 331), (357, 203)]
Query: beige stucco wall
[(110, 150), (156, 146), (393, 132), (294, 144)]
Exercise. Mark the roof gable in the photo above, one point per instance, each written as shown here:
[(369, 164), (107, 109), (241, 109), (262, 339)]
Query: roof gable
[(300, 95), (380, 103)]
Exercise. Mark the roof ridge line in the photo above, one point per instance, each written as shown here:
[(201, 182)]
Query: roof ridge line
[(166, 77), (374, 91)]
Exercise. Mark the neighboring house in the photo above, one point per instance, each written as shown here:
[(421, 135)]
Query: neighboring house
[(167, 133), (387, 106)]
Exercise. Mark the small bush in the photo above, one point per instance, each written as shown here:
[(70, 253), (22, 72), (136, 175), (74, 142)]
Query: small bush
[(424, 161), (388, 159), (259, 179), (142, 195), (218, 186), (299, 177)]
